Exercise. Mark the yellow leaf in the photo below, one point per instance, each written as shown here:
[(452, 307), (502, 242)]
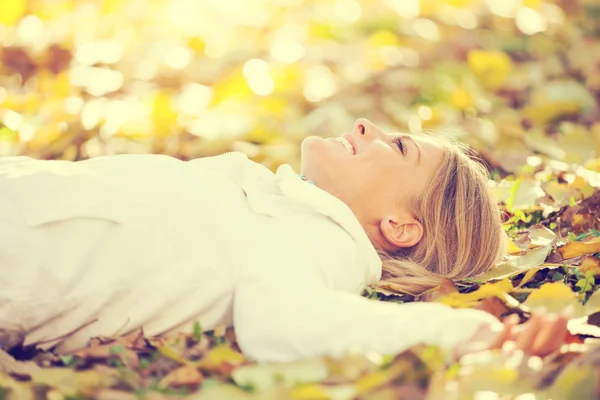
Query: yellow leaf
[(461, 99), (233, 87), (163, 115), (171, 352), (57, 86), (371, 381), (547, 112), (197, 45), (528, 276), (11, 11), (511, 247), (532, 3), (112, 6), (384, 38), (495, 289), (71, 383), (309, 392), (554, 297), (491, 67), (576, 249), (220, 355), (558, 99)]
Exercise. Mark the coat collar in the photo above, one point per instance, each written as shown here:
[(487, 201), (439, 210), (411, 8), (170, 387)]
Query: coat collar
[(292, 186)]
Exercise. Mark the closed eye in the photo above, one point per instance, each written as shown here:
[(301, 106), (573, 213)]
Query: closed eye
[(399, 141)]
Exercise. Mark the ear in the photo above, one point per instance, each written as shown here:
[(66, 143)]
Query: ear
[(401, 232)]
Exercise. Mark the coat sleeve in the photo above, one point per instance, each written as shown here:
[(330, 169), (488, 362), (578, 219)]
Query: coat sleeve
[(287, 305)]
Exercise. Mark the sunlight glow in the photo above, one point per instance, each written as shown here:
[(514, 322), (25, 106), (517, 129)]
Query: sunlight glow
[(92, 113), (425, 113), (486, 395), (73, 105), (466, 19), (12, 120), (194, 98), (529, 21), (405, 8), (255, 67), (347, 10), (96, 81), (31, 30), (178, 57), (503, 8), (286, 51), (101, 51), (319, 84), (27, 132), (427, 29)]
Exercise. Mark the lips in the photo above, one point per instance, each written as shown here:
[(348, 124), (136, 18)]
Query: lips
[(347, 145)]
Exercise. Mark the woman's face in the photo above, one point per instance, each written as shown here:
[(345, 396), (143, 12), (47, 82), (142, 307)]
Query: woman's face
[(376, 175)]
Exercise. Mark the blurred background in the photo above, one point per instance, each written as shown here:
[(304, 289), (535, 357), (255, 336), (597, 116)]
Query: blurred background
[(518, 80)]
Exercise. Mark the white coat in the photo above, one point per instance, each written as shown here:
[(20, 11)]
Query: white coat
[(104, 246)]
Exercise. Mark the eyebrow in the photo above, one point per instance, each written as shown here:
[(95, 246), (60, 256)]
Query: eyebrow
[(416, 146)]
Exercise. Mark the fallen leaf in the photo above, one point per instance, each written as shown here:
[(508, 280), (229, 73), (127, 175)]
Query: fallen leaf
[(263, 377), (555, 297), (494, 306), (576, 249), (517, 264), (495, 289), (185, 375), (221, 359), (71, 383), (528, 276), (590, 264), (445, 288)]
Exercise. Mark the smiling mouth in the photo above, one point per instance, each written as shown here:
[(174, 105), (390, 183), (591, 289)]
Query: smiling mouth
[(347, 145)]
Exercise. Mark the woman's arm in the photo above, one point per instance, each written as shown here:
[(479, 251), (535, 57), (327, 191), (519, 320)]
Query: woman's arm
[(286, 306)]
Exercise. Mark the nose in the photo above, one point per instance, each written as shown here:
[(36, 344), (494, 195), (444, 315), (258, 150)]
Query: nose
[(366, 128)]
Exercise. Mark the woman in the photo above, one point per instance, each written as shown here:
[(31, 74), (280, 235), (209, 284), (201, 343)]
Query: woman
[(107, 245)]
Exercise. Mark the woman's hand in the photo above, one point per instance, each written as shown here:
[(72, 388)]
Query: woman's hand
[(540, 336)]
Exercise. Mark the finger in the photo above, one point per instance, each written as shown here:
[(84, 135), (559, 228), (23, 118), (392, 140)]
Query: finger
[(509, 324), (530, 331), (557, 332), (551, 337)]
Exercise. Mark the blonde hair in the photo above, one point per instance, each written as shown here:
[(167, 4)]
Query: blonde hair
[(463, 234)]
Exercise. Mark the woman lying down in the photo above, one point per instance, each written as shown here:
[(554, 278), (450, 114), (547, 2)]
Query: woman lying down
[(104, 246)]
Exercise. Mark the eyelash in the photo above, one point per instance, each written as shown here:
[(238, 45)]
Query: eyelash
[(399, 141)]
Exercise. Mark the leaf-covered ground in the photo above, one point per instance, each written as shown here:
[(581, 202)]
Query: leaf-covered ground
[(517, 80), (545, 269)]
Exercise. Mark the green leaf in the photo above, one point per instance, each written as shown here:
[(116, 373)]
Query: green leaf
[(197, 335), (116, 349), (557, 276), (67, 360), (586, 284)]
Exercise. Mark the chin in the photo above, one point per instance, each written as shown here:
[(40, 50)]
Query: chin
[(315, 156), (313, 147)]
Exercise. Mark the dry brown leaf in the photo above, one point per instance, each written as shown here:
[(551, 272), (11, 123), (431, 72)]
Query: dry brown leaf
[(590, 264), (184, 376), (575, 249), (445, 288), (123, 348), (494, 306)]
